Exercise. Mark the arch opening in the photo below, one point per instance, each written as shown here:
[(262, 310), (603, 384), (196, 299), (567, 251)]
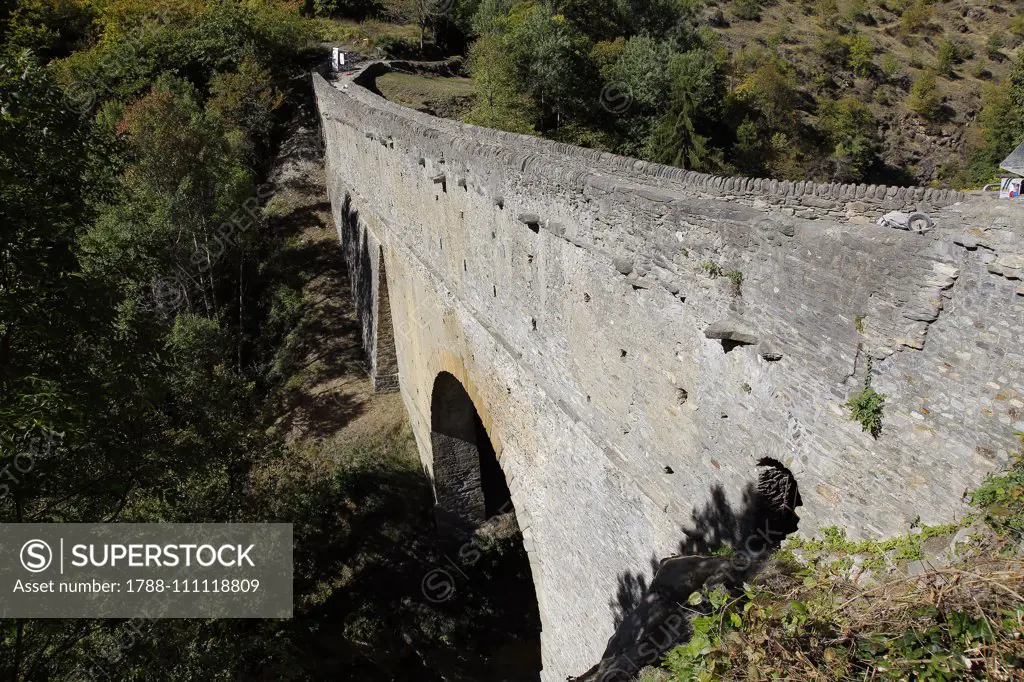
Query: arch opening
[(469, 484), (473, 506)]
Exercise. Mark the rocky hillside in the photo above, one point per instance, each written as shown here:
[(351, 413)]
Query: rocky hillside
[(876, 50)]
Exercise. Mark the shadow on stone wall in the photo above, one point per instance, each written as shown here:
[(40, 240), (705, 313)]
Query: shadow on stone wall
[(724, 546), (355, 246)]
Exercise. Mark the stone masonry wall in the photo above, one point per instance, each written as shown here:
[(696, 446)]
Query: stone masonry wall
[(629, 393)]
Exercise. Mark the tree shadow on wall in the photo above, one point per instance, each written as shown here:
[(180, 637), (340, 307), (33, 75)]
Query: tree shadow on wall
[(724, 545)]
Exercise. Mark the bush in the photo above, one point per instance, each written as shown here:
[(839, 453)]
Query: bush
[(397, 47), (925, 99), (891, 67), (852, 131), (749, 10), (866, 408), (859, 57), (950, 54), (915, 17), (994, 47), (946, 57)]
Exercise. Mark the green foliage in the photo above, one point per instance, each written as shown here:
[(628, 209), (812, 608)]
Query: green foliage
[(925, 99), (950, 54), (861, 51), (689, 662), (1001, 498), (195, 42), (679, 136), (247, 99), (999, 130), (914, 18), (736, 278), (397, 47), (994, 46), (713, 269), (866, 407), (1017, 26), (498, 102), (48, 28), (749, 10), (851, 129), (891, 67), (642, 67)]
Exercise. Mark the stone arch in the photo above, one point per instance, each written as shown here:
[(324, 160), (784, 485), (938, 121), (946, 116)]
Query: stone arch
[(469, 484), (474, 507), (385, 354)]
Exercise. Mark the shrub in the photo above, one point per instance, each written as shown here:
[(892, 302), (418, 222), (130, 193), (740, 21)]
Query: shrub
[(852, 131), (1001, 498), (915, 17), (713, 269), (994, 47), (866, 408), (946, 57), (749, 10), (859, 57), (891, 67), (952, 53), (397, 47), (925, 99), (1017, 26)]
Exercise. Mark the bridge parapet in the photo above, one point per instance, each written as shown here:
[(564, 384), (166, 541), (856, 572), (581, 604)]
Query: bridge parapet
[(806, 199)]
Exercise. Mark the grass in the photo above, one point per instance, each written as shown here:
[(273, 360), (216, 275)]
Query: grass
[(441, 96), (362, 35)]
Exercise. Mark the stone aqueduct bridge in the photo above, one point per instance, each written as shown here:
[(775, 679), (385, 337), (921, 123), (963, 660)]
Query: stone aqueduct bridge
[(628, 394)]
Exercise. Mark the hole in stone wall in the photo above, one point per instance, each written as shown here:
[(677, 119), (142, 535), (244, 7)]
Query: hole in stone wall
[(440, 243), (464, 268), (588, 398), (780, 496), (529, 258), (728, 345), (533, 323), (622, 352), (682, 396), (586, 297), (495, 291)]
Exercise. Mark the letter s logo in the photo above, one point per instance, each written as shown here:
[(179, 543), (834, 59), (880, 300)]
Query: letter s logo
[(36, 556)]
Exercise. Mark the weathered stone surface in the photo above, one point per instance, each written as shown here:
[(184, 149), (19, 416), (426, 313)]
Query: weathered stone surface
[(578, 372), (730, 330), (623, 265)]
